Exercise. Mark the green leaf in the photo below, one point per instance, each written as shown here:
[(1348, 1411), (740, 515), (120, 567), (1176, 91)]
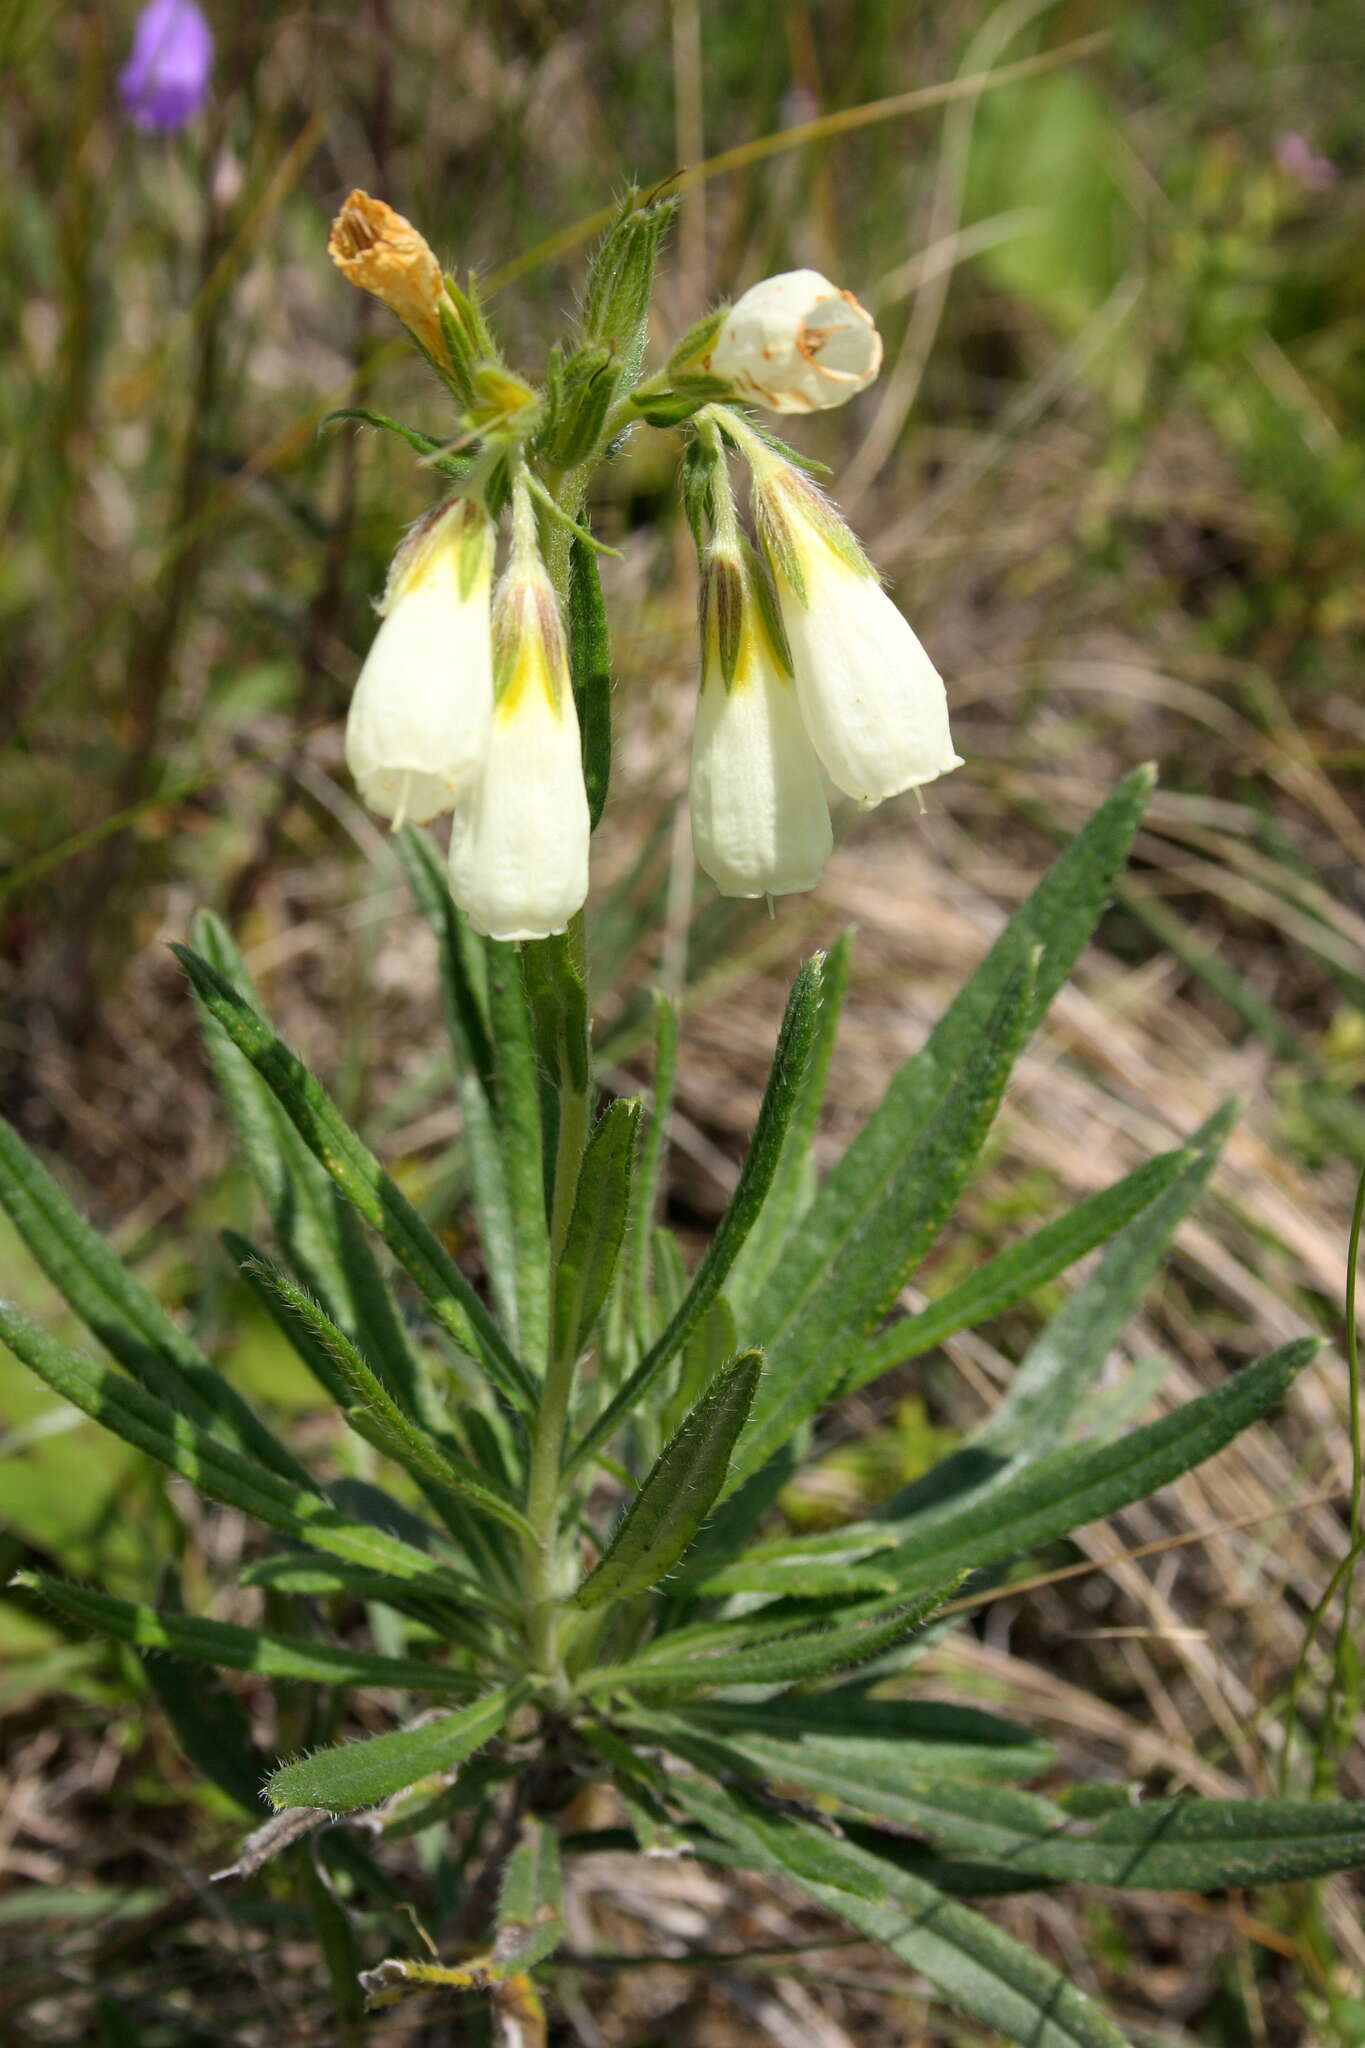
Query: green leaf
[(644, 1191), (590, 667), (1079, 1484), (925, 1736), (521, 1141), (317, 1231), (376, 1416), (790, 1062), (980, 1970), (1059, 918), (786, 1659), (597, 1225), (559, 1009), (1011, 1274), (1168, 1844), (530, 1905), (793, 1186), (362, 1773), (677, 1495), (358, 1174), (123, 1314), (227, 1645), (885, 1237), (130, 1412), (1063, 1364)]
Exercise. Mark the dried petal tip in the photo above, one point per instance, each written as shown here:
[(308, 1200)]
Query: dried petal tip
[(796, 343), (383, 253)]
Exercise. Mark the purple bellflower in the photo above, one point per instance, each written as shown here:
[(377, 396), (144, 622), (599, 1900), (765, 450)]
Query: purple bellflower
[(166, 79)]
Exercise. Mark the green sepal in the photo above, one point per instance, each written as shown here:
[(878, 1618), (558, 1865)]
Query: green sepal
[(436, 454)]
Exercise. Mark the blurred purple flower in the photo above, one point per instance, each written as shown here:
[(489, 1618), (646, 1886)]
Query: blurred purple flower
[(166, 79), (1298, 160)]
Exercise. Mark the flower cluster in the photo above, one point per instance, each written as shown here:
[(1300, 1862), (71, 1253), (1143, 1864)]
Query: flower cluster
[(814, 689)]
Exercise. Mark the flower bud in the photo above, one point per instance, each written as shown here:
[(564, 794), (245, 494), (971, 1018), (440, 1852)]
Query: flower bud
[(760, 823), (519, 848), (795, 343), (169, 69), (419, 717), (871, 699), (383, 253)]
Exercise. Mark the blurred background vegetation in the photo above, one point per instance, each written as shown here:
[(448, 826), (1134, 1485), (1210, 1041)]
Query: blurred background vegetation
[(1115, 470)]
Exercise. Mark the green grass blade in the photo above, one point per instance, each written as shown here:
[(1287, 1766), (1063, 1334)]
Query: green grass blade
[(238, 1649), (677, 1496), (355, 1170), (979, 1969), (123, 1314), (886, 1238), (1018, 1271), (597, 1225), (790, 1062), (362, 1773)]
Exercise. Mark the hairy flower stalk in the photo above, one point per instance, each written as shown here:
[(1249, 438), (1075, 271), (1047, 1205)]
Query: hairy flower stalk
[(417, 731), (873, 703), (519, 847)]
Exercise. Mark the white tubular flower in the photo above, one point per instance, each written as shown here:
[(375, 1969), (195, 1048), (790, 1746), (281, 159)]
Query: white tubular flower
[(871, 699), (519, 848), (418, 723), (796, 343), (760, 823)]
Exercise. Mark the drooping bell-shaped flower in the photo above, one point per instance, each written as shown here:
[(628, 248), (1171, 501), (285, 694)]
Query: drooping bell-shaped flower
[(519, 845), (166, 79), (796, 343), (871, 699), (418, 725), (760, 823)]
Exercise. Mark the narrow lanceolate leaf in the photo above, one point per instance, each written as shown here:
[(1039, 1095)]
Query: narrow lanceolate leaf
[(928, 1737), (979, 1969), (785, 1081), (1067, 1358), (471, 1043), (1184, 1844), (597, 1225), (238, 1649), (631, 1304), (129, 1411), (318, 1234), (1058, 918), (590, 666), (1055, 1495), (788, 1659), (449, 1295), (793, 1186), (1019, 1270), (375, 1415), (879, 1250), (521, 1141), (362, 1773), (677, 1495), (123, 1314), (530, 1917)]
